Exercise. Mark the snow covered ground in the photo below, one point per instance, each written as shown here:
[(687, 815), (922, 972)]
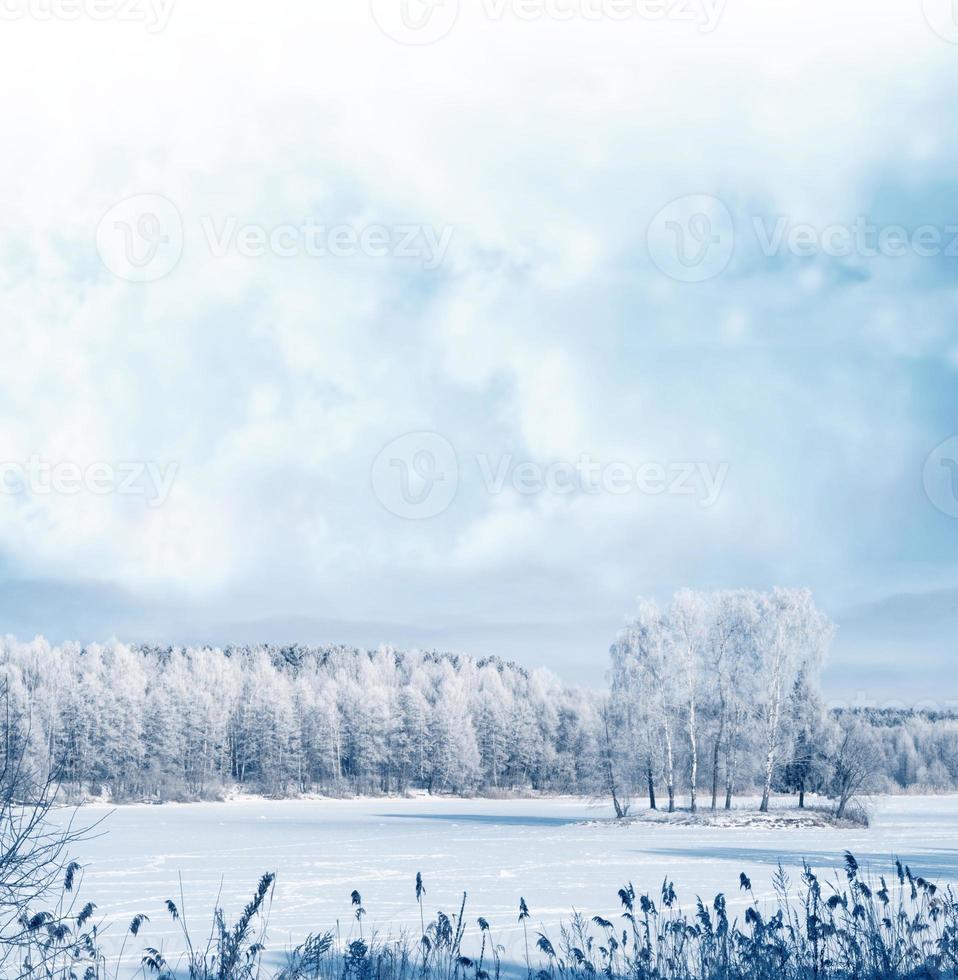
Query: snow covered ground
[(549, 851)]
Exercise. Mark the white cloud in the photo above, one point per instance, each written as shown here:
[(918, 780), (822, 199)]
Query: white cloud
[(547, 147)]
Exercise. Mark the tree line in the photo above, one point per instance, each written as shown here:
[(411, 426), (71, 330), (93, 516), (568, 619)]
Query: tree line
[(171, 723), (710, 695)]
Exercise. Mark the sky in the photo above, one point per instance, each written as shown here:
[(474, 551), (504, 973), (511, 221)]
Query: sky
[(464, 324)]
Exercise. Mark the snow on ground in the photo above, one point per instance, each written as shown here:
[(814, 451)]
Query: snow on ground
[(552, 852)]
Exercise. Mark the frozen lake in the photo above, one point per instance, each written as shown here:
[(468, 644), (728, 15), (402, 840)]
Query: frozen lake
[(497, 851)]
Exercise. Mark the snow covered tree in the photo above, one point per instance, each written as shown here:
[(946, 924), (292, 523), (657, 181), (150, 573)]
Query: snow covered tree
[(687, 627), (792, 634), (855, 761), (644, 672)]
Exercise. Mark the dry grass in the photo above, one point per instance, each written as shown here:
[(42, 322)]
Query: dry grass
[(843, 927)]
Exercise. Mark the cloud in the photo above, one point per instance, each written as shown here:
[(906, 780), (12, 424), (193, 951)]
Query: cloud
[(545, 333)]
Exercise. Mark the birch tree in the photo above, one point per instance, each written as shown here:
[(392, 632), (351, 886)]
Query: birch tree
[(791, 632), (739, 675), (643, 666), (687, 630)]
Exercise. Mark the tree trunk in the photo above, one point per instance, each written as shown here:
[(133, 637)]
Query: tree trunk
[(770, 752), (801, 796), (619, 812), (693, 733), (669, 768), (694, 760), (651, 784), (767, 786), (715, 761), (730, 761)]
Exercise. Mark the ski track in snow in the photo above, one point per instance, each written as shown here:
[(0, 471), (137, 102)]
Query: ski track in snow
[(496, 850)]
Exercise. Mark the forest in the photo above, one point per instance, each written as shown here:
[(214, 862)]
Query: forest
[(709, 696)]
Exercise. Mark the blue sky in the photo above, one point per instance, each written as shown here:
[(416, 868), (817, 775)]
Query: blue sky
[(507, 297)]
